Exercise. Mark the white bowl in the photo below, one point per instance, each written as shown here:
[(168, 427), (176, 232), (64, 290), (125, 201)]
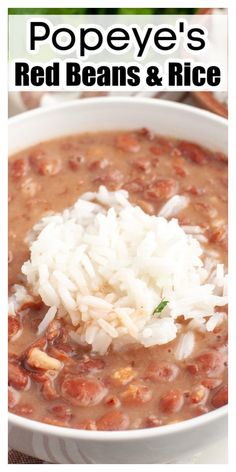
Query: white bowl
[(166, 444)]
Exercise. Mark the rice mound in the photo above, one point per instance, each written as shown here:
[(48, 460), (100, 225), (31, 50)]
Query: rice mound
[(105, 265)]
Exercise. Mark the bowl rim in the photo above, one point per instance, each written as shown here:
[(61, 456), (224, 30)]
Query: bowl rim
[(129, 434), (110, 436), (151, 101)]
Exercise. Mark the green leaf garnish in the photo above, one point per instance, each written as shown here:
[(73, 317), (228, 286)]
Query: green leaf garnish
[(159, 308)]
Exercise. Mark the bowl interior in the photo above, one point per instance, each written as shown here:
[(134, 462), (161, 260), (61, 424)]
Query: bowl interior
[(163, 117)]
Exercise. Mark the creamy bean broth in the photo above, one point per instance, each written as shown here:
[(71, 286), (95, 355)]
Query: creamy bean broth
[(136, 387)]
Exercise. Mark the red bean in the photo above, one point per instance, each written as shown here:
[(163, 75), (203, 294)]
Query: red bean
[(155, 162), (142, 163), (219, 235), (112, 400), (17, 377), (82, 391), (90, 365), (136, 395), (24, 410), (163, 146), (49, 391), (45, 165), (99, 164), (49, 166), (166, 143), (210, 363), (180, 171), (86, 424), (36, 155), (39, 377), (112, 178), (156, 149), (211, 384), (194, 190), (127, 142), (19, 168), (153, 421), (113, 421), (61, 411), (193, 152), (221, 397), (162, 189), (145, 133), (193, 368), (136, 185), (172, 401), (161, 372), (76, 161), (14, 326)]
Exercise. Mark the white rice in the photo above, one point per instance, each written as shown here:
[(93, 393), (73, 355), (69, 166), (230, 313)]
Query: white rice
[(50, 315), (185, 345), (188, 229), (19, 297), (107, 264), (176, 204), (215, 320)]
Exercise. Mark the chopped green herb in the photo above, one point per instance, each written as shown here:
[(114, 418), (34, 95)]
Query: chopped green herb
[(161, 306)]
